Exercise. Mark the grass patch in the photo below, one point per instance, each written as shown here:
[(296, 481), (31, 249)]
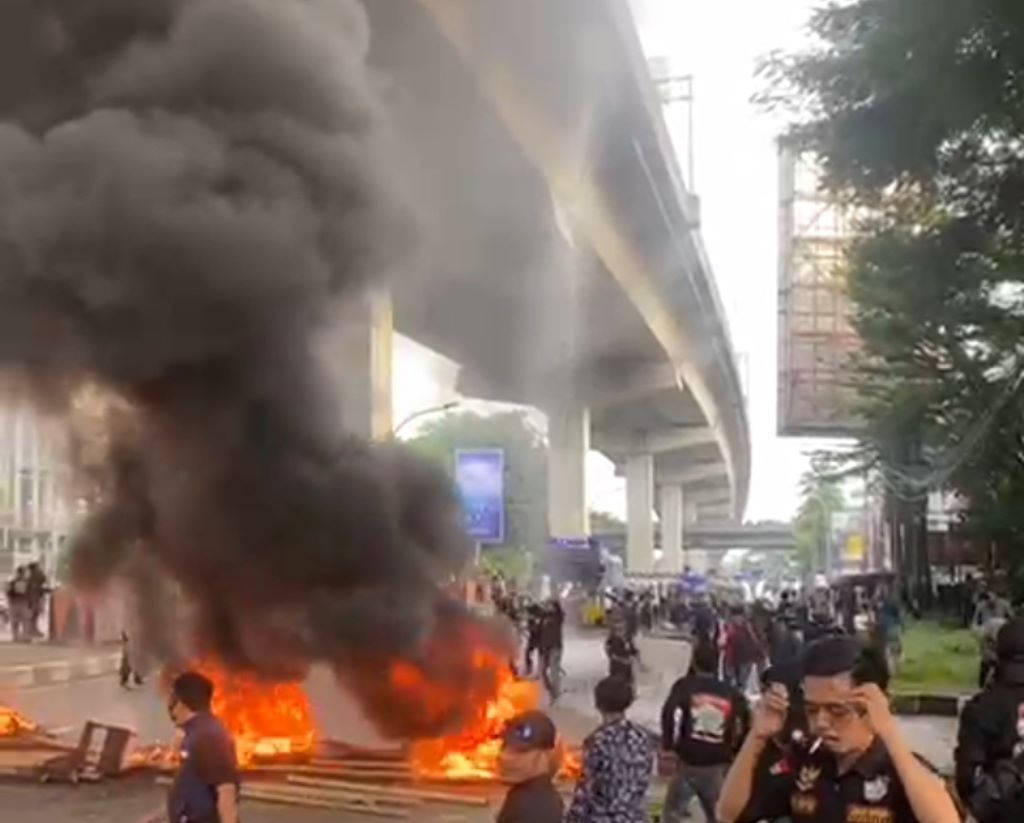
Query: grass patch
[(937, 660)]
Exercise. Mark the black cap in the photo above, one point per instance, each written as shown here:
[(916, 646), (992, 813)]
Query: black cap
[(1010, 640), (530, 730)]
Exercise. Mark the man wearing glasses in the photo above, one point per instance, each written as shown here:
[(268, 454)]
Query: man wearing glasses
[(855, 765)]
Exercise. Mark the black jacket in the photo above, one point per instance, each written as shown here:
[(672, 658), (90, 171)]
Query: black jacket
[(704, 720), (535, 801), (990, 751), (549, 635)]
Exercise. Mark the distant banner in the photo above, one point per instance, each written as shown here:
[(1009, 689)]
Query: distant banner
[(480, 479)]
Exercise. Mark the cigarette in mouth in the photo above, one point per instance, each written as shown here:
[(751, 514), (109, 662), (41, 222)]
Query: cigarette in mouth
[(815, 745)]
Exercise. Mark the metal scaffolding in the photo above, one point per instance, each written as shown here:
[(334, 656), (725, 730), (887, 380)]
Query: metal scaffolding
[(816, 337)]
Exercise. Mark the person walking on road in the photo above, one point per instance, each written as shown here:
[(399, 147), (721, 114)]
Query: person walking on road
[(618, 760), (703, 722), (534, 618), (990, 616), (888, 628), (19, 606), (743, 650), (38, 589), (621, 652), (205, 789), (552, 625)]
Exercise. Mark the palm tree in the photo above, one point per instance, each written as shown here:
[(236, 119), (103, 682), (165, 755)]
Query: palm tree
[(821, 498)]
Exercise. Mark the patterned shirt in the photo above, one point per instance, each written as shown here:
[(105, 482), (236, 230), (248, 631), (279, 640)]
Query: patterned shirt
[(618, 760)]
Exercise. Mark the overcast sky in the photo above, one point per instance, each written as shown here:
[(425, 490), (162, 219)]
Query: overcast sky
[(736, 179)]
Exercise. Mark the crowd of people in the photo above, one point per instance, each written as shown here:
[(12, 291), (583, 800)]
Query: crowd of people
[(540, 625), (26, 594), (820, 735), (819, 745)]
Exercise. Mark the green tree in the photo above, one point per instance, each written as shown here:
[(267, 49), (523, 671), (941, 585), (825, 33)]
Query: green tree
[(525, 477), (916, 111), (605, 523), (820, 499)]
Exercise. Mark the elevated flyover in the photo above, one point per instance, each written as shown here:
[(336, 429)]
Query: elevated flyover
[(719, 537), (560, 261)]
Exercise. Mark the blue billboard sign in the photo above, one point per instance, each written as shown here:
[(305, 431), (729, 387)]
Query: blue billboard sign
[(480, 479)]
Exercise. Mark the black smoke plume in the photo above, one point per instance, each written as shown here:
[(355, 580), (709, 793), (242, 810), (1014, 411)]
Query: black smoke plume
[(188, 189)]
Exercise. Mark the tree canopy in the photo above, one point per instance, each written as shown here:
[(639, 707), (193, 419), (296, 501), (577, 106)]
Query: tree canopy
[(526, 496), (916, 111)]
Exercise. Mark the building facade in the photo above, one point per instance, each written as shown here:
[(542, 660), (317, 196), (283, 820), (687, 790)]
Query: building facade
[(34, 475)]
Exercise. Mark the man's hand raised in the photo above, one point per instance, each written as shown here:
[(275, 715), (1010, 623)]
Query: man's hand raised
[(771, 712)]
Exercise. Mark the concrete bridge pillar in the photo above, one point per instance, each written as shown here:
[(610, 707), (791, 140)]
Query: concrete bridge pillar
[(366, 329), (568, 444), (639, 513), (695, 558), (672, 527)]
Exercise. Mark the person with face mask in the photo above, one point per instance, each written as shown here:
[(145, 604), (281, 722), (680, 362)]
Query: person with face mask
[(856, 765)]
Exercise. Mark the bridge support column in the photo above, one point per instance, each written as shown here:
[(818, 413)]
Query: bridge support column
[(367, 340), (639, 518), (694, 558), (672, 527), (568, 444)]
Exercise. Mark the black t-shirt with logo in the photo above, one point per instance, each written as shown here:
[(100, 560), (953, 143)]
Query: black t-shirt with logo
[(990, 749), (807, 788), (704, 720)]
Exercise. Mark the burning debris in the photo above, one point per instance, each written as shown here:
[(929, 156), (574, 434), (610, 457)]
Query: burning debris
[(191, 190), (14, 725), (29, 751), (472, 752), (269, 721)]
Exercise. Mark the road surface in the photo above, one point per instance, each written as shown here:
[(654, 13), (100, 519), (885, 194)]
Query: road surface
[(65, 708)]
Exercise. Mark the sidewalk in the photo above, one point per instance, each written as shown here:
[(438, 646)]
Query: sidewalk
[(24, 665)]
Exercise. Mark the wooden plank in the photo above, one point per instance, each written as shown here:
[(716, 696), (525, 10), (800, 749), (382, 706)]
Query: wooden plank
[(284, 798), (359, 763), (323, 771), (427, 795)]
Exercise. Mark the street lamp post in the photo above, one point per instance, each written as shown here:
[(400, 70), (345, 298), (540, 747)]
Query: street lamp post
[(446, 407)]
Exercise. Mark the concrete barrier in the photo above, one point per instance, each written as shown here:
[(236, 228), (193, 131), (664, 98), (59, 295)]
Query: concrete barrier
[(55, 672)]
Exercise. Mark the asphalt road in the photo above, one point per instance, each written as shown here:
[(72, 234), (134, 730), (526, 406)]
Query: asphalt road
[(66, 707)]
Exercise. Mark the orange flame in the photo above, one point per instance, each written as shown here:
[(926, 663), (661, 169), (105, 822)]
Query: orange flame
[(13, 724), (268, 720), (473, 752)]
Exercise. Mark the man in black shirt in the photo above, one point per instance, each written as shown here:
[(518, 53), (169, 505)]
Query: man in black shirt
[(990, 747), (703, 722), (550, 647), (857, 766), (534, 617), (620, 651)]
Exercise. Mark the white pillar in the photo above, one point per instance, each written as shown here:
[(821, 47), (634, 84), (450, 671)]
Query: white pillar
[(366, 340), (639, 513), (695, 558), (672, 527), (568, 444)]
